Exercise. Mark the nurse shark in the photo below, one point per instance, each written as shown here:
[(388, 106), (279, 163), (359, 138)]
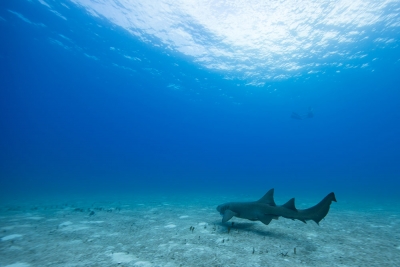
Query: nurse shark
[(265, 209)]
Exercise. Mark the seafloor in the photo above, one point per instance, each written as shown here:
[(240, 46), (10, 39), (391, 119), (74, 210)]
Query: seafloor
[(187, 231)]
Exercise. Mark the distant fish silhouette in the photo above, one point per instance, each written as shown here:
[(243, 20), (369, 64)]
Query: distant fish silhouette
[(309, 115), (296, 116)]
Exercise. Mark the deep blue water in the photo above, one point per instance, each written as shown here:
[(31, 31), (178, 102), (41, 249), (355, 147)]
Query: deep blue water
[(71, 123)]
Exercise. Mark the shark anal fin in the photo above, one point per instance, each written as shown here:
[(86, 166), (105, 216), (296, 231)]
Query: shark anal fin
[(228, 214), (290, 205), (266, 219)]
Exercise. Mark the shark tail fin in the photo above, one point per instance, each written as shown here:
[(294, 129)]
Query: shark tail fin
[(319, 211)]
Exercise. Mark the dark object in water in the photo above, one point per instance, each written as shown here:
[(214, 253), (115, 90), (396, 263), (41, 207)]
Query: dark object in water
[(309, 115), (296, 116), (265, 210)]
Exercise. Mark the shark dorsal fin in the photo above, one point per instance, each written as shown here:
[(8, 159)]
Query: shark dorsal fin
[(290, 205), (268, 198)]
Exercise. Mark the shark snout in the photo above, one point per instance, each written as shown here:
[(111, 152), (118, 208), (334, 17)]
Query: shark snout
[(221, 208)]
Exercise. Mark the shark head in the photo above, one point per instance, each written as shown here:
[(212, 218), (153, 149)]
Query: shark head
[(226, 212), (222, 208)]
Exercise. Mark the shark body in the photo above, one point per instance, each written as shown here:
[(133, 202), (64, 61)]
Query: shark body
[(265, 210)]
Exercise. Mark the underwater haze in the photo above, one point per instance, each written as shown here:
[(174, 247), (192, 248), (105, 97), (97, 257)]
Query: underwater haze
[(127, 128), (123, 97)]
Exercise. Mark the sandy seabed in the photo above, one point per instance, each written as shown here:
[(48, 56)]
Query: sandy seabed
[(181, 232)]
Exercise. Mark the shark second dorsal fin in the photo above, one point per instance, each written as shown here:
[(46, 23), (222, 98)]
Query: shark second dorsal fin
[(268, 198), (290, 205)]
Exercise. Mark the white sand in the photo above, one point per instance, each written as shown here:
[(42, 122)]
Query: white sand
[(150, 233), (122, 257), (10, 237), (18, 264)]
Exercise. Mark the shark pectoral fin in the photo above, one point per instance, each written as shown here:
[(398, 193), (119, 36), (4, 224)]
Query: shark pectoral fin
[(266, 219), (228, 214)]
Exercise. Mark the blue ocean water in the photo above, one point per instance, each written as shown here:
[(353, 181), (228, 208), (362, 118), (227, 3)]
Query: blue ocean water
[(90, 107)]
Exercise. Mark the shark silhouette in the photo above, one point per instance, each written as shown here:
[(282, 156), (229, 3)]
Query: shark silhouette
[(265, 210), (309, 115)]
